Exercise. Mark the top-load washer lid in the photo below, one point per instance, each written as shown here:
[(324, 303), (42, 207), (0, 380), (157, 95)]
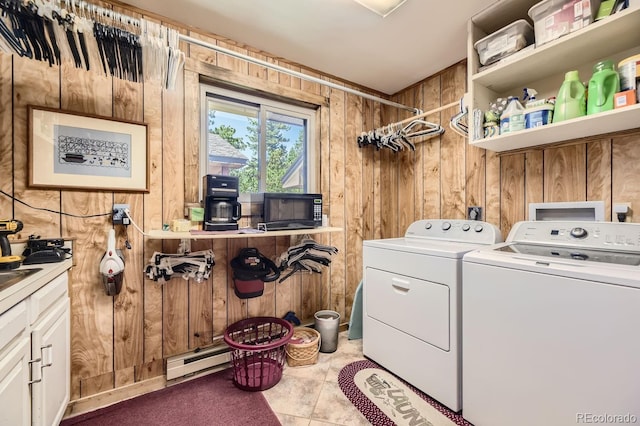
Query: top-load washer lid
[(591, 255), (442, 237)]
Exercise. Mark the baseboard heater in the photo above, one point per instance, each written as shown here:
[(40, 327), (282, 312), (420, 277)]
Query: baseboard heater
[(195, 362)]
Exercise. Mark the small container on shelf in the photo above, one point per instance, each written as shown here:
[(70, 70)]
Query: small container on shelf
[(555, 18), (504, 42)]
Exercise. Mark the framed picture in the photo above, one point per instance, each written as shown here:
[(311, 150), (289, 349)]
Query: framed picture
[(70, 150)]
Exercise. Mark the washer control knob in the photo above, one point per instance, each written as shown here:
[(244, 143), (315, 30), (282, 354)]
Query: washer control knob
[(427, 225), (478, 228), (466, 227), (578, 232), (446, 226)]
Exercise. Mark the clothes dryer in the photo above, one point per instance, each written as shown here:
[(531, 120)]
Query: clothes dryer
[(551, 321), (411, 302)]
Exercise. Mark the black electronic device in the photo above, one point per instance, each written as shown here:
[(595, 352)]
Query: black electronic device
[(221, 207), (45, 250), (51, 255)]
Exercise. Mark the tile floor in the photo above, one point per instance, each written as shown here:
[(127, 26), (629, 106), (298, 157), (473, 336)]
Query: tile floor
[(310, 395)]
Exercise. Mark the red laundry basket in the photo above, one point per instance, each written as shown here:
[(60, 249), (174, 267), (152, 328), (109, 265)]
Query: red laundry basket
[(258, 351)]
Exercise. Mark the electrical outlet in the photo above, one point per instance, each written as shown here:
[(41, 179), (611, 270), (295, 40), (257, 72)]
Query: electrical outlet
[(119, 217), (474, 213)]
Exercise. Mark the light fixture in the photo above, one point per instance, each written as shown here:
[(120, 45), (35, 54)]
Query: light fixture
[(381, 7)]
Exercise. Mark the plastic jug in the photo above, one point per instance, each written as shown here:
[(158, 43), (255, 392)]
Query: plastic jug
[(571, 101), (512, 118), (604, 84)]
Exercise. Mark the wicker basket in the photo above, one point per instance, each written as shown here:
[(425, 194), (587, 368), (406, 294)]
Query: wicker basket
[(305, 353)]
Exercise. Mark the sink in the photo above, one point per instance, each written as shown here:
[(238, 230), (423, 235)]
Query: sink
[(9, 278)]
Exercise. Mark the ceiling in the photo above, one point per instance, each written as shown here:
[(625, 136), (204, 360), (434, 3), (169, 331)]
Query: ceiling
[(339, 37)]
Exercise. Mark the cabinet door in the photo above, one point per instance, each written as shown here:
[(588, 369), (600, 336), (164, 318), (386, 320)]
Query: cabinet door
[(15, 403), (50, 341)]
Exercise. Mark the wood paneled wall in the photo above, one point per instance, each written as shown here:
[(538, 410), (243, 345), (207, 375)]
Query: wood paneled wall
[(448, 175), (124, 340)]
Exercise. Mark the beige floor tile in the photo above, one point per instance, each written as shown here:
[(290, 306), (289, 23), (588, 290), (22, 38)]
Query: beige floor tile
[(295, 396), (310, 395), (334, 407), (288, 420)]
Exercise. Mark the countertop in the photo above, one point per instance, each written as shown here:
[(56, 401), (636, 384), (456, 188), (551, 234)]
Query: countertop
[(30, 284)]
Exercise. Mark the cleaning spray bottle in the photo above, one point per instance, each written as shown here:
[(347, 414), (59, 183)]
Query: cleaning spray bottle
[(537, 112)]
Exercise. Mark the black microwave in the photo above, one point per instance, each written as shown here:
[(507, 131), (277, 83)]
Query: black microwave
[(291, 210)]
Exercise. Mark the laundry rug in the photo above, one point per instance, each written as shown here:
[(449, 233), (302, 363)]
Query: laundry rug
[(385, 399)]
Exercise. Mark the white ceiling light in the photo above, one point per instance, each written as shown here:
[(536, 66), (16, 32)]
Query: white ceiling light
[(381, 7)]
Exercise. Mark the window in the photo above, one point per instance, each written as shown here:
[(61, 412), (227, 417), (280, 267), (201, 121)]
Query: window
[(265, 143)]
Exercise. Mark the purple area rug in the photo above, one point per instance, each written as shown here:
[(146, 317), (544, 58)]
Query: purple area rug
[(376, 379), (207, 400)]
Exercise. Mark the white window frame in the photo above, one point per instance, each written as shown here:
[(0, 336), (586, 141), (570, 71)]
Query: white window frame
[(265, 105)]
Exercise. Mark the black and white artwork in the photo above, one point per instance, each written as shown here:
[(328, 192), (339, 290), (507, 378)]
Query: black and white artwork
[(89, 152)]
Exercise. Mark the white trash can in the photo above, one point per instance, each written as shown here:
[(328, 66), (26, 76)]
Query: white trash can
[(327, 324)]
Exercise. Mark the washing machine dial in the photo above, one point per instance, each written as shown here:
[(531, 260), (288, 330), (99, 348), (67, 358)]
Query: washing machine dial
[(427, 225), (478, 228), (466, 227), (578, 232), (446, 226)]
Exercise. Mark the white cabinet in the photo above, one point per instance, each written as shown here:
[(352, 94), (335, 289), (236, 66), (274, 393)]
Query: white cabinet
[(50, 342), (15, 354), (543, 68), (35, 357)]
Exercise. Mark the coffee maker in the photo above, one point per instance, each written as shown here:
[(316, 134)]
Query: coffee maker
[(221, 207)]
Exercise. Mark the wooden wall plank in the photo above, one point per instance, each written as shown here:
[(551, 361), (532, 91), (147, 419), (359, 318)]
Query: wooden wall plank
[(337, 198), (220, 287), (353, 200), (200, 305), (34, 83), (388, 181), (534, 179), (325, 182), (6, 134), (565, 173), (153, 291), (284, 289), (512, 208), (431, 171), (599, 168), (128, 104), (407, 168), (176, 291), (453, 148), (92, 322), (493, 194), (192, 180), (626, 169)]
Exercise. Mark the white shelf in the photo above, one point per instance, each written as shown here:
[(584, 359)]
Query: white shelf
[(614, 37), (617, 33), (590, 125), (169, 235)]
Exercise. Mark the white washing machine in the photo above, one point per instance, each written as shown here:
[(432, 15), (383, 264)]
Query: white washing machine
[(551, 326), (411, 302)]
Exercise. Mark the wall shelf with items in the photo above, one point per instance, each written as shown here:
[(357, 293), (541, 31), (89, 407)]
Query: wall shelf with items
[(543, 69), (170, 235)]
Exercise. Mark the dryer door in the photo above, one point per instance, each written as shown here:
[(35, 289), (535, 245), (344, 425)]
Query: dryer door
[(414, 306)]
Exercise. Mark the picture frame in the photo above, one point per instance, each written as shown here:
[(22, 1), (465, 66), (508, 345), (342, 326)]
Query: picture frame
[(72, 150)]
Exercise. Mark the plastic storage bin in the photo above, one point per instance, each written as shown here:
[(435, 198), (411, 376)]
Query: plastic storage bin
[(258, 351), (554, 18), (504, 42)]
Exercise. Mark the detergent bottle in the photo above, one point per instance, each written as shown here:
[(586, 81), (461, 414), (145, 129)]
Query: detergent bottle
[(512, 118), (604, 84), (571, 101)]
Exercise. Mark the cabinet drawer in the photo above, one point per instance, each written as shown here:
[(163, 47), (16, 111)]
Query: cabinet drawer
[(42, 299), (12, 323)]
